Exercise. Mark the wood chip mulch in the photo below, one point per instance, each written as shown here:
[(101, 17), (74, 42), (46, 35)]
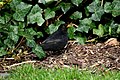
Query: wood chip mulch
[(83, 56)]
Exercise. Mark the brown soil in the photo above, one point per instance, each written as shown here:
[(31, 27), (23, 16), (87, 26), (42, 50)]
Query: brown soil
[(84, 56)]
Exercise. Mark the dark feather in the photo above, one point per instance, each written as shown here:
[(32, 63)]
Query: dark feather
[(57, 40)]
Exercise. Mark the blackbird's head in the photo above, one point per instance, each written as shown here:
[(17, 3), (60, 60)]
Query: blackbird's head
[(63, 28)]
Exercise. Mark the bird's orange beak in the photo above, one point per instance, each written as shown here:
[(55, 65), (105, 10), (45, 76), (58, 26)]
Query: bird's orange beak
[(69, 25)]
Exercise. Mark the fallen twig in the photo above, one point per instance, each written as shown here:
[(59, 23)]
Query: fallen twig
[(17, 64)]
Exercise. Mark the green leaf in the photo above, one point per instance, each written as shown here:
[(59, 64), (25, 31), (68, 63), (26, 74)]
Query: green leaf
[(54, 27), (35, 16), (31, 31), (39, 34), (36, 9), (116, 8), (57, 7), (38, 51), (76, 15), (87, 12), (118, 30), (21, 27), (97, 16), (97, 11), (2, 20), (14, 3), (85, 25), (99, 31), (13, 29), (83, 28), (13, 37), (21, 11), (9, 43), (1, 43), (113, 8), (28, 33), (31, 43), (71, 31), (5, 18), (80, 39), (108, 7), (49, 13), (114, 27), (49, 1), (76, 2), (65, 7), (86, 21), (42, 1), (2, 51)]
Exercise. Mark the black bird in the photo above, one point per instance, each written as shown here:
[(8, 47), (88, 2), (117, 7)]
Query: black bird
[(57, 40)]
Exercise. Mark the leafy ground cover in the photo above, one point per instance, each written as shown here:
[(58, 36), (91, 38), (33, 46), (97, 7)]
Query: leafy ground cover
[(25, 24)]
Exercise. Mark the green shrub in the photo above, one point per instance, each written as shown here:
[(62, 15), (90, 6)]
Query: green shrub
[(24, 21)]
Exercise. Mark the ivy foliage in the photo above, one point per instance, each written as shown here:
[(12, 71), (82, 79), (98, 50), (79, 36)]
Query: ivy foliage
[(25, 22)]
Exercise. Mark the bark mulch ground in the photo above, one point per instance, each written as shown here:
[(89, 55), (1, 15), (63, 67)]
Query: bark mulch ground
[(97, 55)]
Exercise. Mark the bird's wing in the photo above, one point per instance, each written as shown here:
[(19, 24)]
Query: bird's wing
[(51, 41)]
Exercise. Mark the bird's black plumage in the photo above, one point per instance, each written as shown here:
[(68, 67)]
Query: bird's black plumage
[(57, 40)]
